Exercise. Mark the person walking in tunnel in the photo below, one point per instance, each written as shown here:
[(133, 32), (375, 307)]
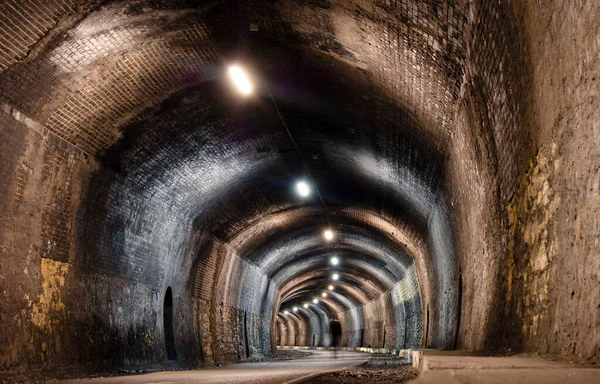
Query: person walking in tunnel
[(336, 334)]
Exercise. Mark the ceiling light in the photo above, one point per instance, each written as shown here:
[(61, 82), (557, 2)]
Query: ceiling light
[(303, 188), (286, 312), (330, 287), (324, 294), (328, 234), (335, 261), (335, 276), (305, 305), (295, 309), (316, 301), (240, 79)]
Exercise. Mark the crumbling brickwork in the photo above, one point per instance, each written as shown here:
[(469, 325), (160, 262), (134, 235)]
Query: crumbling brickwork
[(43, 179)]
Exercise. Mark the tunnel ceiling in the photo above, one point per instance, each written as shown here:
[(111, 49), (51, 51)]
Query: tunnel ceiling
[(366, 89)]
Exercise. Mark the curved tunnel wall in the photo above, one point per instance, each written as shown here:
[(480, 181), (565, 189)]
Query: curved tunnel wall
[(94, 228)]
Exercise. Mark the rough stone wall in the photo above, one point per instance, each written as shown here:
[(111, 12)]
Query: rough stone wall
[(91, 287), (42, 181), (524, 182), (550, 280), (487, 153)]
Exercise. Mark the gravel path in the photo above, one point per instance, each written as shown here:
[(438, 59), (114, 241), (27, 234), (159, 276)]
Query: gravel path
[(378, 370)]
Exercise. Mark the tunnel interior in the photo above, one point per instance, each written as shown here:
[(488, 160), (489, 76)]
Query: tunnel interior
[(150, 212)]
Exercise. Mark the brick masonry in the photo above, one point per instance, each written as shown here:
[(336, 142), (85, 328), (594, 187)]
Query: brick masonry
[(463, 133)]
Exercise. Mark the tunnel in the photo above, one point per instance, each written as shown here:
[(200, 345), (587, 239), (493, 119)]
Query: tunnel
[(186, 184)]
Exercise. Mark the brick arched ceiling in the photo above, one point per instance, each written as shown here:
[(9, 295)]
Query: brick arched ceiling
[(97, 64), (367, 89)]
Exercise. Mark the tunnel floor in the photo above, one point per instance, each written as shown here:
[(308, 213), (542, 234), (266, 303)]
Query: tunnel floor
[(272, 372), (325, 367)]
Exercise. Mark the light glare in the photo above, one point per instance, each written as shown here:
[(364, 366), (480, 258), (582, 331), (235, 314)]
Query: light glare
[(316, 301), (330, 287), (303, 188), (335, 261), (328, 234), (295, 309), (305, 305), (240, 79), (324, 294), (286, 312), (335, 276)]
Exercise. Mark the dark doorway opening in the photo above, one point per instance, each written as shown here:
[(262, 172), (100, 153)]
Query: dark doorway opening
[(405, 330), (460, 289), (427, 329), (168, 325), (335, 327), (246, 344)]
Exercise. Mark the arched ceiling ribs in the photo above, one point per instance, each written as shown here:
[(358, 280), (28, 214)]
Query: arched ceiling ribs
[(344, 292), (359, 269), (257, 238), (140, 87), (362, 287), (302, 243), (335, 299)]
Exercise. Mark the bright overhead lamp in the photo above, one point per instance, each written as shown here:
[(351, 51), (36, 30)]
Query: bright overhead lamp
[(324, 294), (240, 79), (335, 276), (328, 235), (286, 312), (295, 309), (315, 301), (335, 261), (305, 305), (330, 287), (303, 188)]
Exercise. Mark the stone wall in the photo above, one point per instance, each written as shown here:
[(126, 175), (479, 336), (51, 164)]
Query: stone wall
[(523, 180), (42, 181), (550, 277), (90, 286)]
